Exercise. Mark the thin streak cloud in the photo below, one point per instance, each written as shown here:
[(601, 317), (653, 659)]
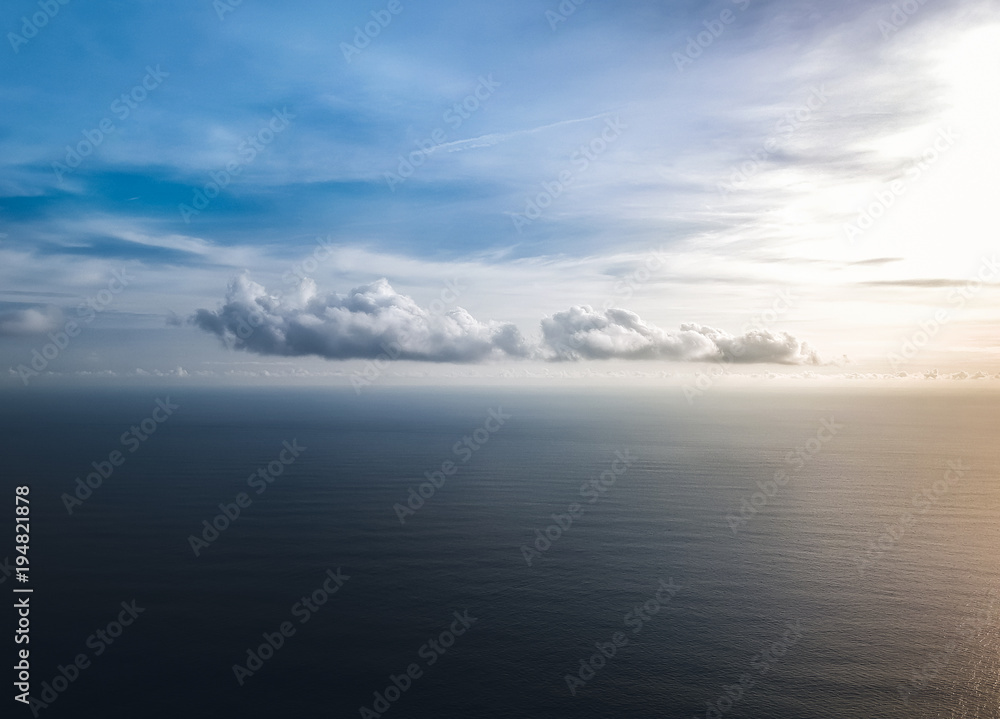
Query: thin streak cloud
[(496, 138)]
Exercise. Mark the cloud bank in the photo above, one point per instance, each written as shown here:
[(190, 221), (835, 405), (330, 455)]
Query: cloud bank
[(374, 321), (583, 333), (370, 321)]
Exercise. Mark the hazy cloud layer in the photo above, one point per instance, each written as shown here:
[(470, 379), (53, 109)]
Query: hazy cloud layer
[(374, 321), (30, 321)]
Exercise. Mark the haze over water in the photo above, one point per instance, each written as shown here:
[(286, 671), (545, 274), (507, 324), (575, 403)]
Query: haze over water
[(865, 585)]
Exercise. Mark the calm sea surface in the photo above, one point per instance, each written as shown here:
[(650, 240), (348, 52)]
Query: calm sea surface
[(756, 554)]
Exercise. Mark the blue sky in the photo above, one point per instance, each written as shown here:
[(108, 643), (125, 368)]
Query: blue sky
[(697, 162)]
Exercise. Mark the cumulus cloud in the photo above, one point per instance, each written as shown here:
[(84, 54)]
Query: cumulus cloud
[(30, 321), (369, 322), (374, 321), (583, 333)]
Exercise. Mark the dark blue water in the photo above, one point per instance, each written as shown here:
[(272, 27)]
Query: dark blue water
[(863, 586)]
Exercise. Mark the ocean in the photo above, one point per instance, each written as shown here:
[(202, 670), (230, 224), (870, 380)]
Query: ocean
[(490, 552)]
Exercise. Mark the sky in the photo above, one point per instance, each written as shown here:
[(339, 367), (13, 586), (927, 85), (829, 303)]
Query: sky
[(353, 192)]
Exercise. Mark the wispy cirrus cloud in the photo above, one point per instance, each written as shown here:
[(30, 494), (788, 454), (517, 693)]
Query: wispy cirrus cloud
[(495, 138)]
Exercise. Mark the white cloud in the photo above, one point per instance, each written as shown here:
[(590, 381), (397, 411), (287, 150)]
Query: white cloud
[(375, 321), (371, 321), (583, 333)]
